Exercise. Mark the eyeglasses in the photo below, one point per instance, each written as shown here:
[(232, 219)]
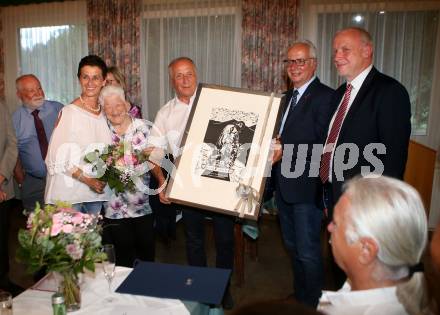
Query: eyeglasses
[(298, 62)]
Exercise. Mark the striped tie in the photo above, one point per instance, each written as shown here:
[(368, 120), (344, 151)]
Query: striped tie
[(333, 135)]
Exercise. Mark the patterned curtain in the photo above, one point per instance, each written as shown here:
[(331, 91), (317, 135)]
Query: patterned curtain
[(268, 28), (2, 62), (114, 35)]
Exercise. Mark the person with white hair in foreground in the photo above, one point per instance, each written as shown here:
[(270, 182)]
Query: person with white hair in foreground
[(379, 231)]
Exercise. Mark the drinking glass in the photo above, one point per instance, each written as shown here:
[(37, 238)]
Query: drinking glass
[(5, 303), (109, 265)]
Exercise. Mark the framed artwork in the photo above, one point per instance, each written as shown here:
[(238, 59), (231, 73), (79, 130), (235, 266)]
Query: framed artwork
[(226, 150)]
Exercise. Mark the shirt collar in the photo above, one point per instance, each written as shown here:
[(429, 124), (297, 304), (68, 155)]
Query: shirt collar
[(357, 82), (29, 110), (180, 103), (304, 87), (360, 297)]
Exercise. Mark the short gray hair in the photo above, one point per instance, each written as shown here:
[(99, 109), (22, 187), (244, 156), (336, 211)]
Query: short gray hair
[(176, 60), (306, 42), (391, 212), (22, 77), (363, 33), (111, 90)]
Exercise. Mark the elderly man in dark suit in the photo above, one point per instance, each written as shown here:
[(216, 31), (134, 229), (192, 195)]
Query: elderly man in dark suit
[(302, 133), (8, 159), (370, 128)]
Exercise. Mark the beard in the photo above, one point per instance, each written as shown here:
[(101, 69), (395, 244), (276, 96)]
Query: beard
[(34, 104)]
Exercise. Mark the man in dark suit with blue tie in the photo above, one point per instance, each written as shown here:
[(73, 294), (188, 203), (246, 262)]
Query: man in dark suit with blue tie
[(370, 128), (302, 133)]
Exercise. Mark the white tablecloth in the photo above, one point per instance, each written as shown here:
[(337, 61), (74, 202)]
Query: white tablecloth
[(94, 292)]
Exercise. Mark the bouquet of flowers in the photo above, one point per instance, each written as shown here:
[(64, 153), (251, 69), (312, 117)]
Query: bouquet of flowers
[(120, 165), (63, 240)]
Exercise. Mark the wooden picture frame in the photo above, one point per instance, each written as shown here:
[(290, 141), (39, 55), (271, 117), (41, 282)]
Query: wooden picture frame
[(226, 150)]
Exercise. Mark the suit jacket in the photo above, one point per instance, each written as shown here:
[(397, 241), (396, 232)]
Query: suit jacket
[(8, 151), (380, 113), (307, 126)]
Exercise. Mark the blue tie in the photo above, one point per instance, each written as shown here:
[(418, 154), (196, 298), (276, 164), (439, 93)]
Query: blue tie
[(293, 101)]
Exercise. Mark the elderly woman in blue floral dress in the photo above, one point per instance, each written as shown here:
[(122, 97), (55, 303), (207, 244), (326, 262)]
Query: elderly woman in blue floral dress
[(128, 219)]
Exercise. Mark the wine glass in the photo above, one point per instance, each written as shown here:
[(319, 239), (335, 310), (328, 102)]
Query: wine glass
[(109, 264)]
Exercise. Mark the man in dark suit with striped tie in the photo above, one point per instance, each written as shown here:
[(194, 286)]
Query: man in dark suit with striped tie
[(302, 133), (370, 129)]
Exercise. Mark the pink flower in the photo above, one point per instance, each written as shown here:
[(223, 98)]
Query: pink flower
[(130, 159), (56, 229), (74, 251), (57, 218), (67, 228), (109, 160), (78, 218), (29, 221), (68, 210), (120, 162)]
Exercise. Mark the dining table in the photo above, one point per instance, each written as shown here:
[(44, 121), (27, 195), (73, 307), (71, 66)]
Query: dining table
[(96, 298)]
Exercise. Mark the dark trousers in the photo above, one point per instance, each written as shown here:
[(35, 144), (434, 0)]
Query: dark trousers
[(165, 218), (301, 230), (32, 192), (194, 221), (5, 207), (133, 238), (164, 215)]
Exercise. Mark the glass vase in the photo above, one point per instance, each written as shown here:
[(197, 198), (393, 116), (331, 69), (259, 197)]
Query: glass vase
[(70, 288)]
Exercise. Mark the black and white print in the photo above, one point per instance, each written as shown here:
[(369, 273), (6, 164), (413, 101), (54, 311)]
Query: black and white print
[(226, 145)]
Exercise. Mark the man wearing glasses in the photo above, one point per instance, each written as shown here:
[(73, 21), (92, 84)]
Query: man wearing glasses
[(302, 132)]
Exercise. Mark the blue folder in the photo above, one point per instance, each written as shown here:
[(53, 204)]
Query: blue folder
[(200, 284)]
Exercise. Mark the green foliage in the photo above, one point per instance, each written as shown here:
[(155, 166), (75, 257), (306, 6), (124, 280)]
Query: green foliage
[(118, 165), (60, 239)]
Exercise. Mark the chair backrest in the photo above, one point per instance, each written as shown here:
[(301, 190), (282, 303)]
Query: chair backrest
[(419, 170)]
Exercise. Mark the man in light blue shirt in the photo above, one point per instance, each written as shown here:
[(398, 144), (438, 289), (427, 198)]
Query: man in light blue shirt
[(33, 122)]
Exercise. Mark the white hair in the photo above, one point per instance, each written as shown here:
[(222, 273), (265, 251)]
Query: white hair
[(306, 42), (390, 212), (111, 90)]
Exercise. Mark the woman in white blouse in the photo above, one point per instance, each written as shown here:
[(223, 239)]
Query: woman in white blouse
[(81, 128)]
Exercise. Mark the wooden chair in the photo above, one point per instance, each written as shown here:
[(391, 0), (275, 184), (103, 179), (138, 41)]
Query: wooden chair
[(243, 244), (419, 170)]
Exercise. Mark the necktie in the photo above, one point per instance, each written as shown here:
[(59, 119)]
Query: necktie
[(41, 134), (333, 135), (293, 101)]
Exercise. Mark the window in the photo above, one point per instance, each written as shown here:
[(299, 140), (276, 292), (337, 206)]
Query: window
[(47, 52), (48, 40), (404, 48), (204, 31), (407, 47)]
